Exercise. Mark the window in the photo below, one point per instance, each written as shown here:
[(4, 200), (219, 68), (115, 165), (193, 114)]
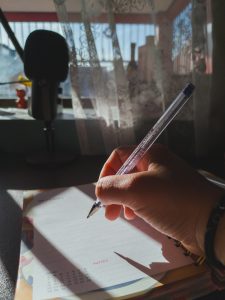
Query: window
[(182, 38), (12, 67)]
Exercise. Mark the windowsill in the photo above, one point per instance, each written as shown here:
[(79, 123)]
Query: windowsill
[(13, 113), (11, 102), (22, 134), (9, 111)]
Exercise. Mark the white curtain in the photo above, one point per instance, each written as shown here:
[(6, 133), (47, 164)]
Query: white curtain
[(128, 96)]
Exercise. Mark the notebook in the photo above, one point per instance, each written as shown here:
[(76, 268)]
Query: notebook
[(64, 255)]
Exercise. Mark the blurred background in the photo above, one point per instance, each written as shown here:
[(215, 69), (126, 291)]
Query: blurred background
[(128, 61)]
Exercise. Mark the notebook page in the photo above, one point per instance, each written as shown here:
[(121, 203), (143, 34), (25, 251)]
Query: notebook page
[(74, 254)]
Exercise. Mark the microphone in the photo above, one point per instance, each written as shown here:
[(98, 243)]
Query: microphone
[(46, 59), (46, 64)]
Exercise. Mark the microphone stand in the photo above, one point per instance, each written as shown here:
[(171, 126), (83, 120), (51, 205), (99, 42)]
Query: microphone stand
[(11, 35), (50, 157), (50, 136)]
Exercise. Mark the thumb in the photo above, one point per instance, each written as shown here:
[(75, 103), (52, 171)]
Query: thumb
[(115, 189)]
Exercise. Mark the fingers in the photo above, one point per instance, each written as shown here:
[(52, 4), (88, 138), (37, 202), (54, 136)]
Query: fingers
[(114, 189), (124, 190), (112, 165), (115, 161), (112, 211), (129, 213), (157, 153)]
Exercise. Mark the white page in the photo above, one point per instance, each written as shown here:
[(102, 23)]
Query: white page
[(76, 255)]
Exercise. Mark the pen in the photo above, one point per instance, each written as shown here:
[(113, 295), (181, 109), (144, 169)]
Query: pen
[(151, 136)]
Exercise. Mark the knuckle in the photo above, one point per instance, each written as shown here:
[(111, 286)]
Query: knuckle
[(135, 183), (99, 189), (158, 148)]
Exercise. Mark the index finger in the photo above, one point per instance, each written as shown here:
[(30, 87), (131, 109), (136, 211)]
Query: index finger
[(156, 154), (115, 161)]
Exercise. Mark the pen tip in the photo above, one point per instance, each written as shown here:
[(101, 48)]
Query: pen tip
[(93, 210)]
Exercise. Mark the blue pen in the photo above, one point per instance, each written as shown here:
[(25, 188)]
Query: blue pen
[(151, 136)]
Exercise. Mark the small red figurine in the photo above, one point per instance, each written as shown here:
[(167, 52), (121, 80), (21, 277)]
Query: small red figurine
[(21, 101)]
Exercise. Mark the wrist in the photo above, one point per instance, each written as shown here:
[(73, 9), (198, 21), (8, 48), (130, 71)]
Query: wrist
[(211, 200), (219, 245)]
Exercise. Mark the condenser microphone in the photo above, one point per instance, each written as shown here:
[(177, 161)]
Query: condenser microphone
[(46, 59)]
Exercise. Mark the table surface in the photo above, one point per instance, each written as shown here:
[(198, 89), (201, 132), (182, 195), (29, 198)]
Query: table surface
[(17, 174)]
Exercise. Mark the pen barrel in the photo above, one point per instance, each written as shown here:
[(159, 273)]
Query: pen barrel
[(156, 130)]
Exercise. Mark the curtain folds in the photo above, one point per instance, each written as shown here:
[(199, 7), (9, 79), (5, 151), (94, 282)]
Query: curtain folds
[(136, 56)]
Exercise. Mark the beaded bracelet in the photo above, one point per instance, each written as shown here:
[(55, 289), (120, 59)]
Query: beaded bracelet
[(211, 228)]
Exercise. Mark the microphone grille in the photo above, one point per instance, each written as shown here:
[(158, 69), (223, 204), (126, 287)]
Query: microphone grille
[(46, 56)]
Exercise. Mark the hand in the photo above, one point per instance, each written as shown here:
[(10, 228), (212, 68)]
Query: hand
[(163, 190)]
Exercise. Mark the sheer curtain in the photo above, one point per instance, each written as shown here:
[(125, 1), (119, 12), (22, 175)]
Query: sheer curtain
[(170, 43)]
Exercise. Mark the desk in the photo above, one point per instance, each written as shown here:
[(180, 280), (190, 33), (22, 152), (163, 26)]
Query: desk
[(15, 174)]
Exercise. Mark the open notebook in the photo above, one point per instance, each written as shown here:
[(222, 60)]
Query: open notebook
[(64, 255)]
